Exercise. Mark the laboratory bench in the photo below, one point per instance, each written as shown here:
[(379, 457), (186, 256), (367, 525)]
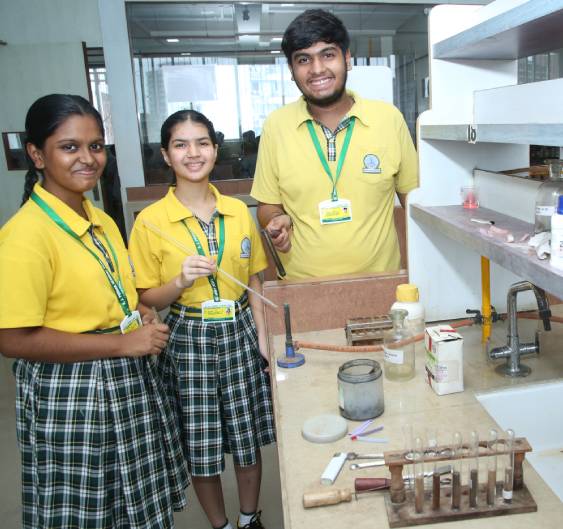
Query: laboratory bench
[(311, 390)]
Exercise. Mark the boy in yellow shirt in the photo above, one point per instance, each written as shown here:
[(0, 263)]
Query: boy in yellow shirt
[(330, 164)]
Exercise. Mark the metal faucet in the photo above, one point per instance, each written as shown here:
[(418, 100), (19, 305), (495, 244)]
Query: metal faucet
[(514, 350)]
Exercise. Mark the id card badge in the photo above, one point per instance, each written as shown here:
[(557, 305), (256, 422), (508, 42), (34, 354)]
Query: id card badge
[(218, 311), (131, 322), (335, 211)]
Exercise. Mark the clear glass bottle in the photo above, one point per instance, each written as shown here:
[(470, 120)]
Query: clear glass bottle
[(547, 196), (398, 352)]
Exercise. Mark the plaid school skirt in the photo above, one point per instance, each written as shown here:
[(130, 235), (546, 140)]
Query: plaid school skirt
[(99, 444), (215, 376)]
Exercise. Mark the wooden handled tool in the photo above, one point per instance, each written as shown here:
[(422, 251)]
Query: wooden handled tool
[(369, 484), (334, 496), (326, 497)]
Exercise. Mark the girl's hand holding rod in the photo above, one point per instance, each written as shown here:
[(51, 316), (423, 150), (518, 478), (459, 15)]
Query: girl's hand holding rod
[(194, 267), (156, 230)]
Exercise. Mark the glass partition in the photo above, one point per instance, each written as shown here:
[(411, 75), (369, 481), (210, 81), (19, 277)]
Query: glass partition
[(225, 61)]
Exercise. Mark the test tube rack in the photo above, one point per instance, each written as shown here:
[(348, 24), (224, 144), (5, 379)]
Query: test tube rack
[(400, 501), (367, 330)]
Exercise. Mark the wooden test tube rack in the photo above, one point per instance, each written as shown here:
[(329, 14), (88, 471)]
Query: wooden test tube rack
[(400, 501)]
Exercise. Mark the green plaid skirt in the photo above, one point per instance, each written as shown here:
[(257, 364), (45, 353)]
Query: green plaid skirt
[(99, 444), (215, 376)]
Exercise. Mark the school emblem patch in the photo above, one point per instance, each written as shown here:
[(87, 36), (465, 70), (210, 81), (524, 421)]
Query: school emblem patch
[(371, 164), (245, 248)]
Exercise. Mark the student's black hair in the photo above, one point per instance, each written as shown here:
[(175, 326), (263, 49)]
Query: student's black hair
[(43, 118), (179, 117), (311, 26)]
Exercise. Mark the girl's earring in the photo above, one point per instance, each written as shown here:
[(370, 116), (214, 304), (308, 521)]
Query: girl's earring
[(38, 161)]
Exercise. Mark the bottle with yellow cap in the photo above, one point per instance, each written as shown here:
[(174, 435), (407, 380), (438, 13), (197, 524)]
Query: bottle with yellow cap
[(407, 299)]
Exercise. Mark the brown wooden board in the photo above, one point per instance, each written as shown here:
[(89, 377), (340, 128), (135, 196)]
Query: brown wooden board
[(312, 301), (404, 514)]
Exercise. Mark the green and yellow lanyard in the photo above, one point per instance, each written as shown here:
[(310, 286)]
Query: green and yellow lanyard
[(117, 286), (341, 158), (211, 278)]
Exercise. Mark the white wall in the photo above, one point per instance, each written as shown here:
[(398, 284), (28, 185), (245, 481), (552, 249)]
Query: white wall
[(434, 259), (43, 55)]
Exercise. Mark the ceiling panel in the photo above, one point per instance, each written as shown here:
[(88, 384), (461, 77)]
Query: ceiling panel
[(230, 29)]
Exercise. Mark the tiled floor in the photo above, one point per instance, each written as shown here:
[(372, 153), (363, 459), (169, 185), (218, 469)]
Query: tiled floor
[(192, 518)]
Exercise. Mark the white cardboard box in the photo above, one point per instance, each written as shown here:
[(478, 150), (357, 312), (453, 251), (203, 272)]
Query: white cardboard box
[(444, 359)]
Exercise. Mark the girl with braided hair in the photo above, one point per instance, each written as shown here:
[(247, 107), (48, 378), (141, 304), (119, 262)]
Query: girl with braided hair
[(98, 439)]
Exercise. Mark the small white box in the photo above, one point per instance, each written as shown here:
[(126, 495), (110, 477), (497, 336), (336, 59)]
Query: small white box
[(444, 359)]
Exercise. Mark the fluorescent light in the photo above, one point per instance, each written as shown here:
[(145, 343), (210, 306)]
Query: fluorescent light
[(287, 5), (172, 40), (275, 51), (276, 39), (185, 53)]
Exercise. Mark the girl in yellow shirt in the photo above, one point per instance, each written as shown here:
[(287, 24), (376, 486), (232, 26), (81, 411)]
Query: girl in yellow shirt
[(213, 363), (98, 439)]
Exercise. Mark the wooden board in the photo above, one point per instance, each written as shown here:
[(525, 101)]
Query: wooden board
[(328, 302), (404, 514)]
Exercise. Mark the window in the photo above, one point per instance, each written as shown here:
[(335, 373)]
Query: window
[(224, 60)]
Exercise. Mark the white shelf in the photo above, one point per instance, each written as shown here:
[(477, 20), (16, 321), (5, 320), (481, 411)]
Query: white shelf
[(518, 133), (444, 132), (528, 29), (454, 222)]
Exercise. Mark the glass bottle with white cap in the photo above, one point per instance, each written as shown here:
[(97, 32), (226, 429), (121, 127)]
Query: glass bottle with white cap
[(408, 299)]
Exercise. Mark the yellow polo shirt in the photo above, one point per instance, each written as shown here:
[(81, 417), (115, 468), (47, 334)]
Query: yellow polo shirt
[(49, 279), (381, 161), (157, 261)]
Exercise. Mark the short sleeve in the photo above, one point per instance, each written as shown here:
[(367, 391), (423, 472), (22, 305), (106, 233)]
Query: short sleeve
[(407, 178), (145, 254), (25, 283), (265, 187), (258, 260)]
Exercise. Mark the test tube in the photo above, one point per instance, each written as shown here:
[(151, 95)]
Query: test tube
[(456, 471), (432, 442), (508, 484), (492, 467), (433, 450), (409, 450), (418, 475), (474, 469)]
